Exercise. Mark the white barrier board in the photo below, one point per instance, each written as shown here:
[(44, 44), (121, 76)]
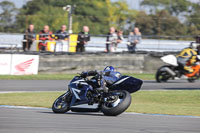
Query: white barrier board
[(16, 64), (24, 64), (5, 64)]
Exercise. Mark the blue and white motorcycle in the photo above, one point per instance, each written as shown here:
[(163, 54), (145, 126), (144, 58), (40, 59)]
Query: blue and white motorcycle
[(96, 94)]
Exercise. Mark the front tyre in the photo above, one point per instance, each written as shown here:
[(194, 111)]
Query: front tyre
[(116, 103), (61, 104), (191, 80)]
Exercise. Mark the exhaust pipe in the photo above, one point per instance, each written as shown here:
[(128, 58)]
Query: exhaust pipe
[(172, 73)]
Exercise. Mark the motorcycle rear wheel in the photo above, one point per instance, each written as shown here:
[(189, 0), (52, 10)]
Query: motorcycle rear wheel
[(117, 106), (162, 76)]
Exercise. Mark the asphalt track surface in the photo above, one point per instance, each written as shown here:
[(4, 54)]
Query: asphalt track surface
[(20, 120), (43, 120), (61, 85)]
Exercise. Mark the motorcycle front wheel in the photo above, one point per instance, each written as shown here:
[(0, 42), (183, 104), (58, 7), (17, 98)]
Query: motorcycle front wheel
[(116, 103), (61, 104)]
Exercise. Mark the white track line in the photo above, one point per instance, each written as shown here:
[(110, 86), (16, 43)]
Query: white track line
[(23, 107), (127, 113), (165, 115)]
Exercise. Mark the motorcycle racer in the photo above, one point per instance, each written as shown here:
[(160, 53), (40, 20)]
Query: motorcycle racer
[(109, 74), (109, 78), (188, 56)]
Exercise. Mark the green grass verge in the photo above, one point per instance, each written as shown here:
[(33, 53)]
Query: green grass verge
[(143, 76), (166, 102), (62, 77), (38, 77), (158, 102)]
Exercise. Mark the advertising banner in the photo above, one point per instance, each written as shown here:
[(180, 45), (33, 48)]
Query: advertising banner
[(5, 64), (24, 64)]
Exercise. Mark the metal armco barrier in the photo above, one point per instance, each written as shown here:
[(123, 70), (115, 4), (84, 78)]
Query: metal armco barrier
[(13, 42)]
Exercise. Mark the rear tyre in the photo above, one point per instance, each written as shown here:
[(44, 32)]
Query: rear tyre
[(61, 104), (117, 106), (162, 76)]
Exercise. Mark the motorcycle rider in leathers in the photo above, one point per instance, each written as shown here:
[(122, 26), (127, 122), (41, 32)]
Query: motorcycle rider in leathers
[(188, 56), (109, 78), (109, 74)]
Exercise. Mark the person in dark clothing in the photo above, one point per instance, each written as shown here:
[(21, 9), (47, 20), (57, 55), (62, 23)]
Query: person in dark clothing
[(45, 35), (83, 38), (29, 37), (62, 34), (197, 38)]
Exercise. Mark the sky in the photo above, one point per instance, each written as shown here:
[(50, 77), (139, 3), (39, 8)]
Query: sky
[(133, 4), (18, 3)]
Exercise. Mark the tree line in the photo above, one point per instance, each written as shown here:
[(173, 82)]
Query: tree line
[(161, 17)]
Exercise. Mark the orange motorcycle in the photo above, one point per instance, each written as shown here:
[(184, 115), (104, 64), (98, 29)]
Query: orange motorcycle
[(174, 71), (196, 73)]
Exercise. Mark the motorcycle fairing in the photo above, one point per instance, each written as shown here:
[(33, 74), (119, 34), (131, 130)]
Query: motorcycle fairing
[(79, 89), (170, 59), (127, 83)]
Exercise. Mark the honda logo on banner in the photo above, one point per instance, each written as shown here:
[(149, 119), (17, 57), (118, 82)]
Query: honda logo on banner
[(24, 64)]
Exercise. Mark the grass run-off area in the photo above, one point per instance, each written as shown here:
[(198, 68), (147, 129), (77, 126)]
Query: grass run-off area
[(159, 102), (62, 77)]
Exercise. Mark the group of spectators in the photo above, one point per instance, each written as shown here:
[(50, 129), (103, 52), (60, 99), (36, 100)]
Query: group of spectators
[(44, 36), (113, 38)]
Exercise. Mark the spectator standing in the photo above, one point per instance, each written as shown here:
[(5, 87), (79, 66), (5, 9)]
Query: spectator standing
[(83, 38), (111, 40), (29, 37), (61, 37), (62, 34), (197, 40), (120, 38), (134, 38), (45, 35)]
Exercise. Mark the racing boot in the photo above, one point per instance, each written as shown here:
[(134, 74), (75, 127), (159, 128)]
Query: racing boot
[(188, 69)]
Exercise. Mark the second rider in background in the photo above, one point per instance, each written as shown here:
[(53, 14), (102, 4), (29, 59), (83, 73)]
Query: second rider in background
[(188, 56)]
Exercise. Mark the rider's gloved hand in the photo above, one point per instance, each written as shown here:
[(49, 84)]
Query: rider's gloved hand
[(92, 73), (84, 74)]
